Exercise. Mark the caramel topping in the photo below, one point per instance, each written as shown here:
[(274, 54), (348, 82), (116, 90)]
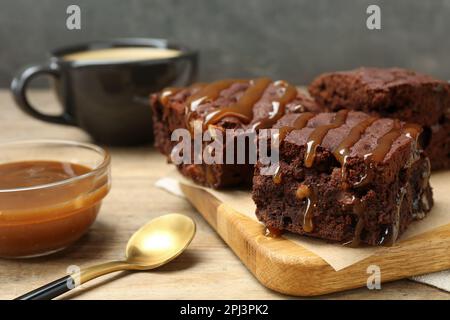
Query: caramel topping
[(277, 177), (316, 137), (198, 85), (290, 93), (167, 93), (343, 150), (358, 230), (302, 121), (412, 130), (243, 108), (170, 91), (209, 92), (384, 144), (273, 232), (299, 123), (302, 192), (305, 192), (308, 225), (359, 211)]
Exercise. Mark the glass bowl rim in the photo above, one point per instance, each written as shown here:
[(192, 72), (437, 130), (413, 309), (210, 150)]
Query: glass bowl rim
[(105, 163)]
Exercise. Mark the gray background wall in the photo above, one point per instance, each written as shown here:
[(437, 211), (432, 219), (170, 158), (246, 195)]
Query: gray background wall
[(289, 39)]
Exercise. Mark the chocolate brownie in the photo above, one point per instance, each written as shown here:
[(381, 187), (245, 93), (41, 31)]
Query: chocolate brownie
[(395, 93), (225, 104), (346, 176)]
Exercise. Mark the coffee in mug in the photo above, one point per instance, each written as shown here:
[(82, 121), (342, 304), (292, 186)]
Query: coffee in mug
[(122, 54)]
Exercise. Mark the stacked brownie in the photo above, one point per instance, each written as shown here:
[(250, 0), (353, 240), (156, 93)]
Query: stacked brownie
[(395, 93), (345, 176), (225, 104)]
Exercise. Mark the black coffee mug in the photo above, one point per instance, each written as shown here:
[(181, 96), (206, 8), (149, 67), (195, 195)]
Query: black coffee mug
[(108, 99)]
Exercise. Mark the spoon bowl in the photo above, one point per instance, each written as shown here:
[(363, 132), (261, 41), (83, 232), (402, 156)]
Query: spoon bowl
[(160, 240)]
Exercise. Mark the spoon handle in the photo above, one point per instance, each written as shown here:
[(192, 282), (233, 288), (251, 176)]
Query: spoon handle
[(67, 283), (50, 290)]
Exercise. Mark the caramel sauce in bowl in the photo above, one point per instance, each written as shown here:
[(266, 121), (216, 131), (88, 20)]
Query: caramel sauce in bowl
[(50, 194)]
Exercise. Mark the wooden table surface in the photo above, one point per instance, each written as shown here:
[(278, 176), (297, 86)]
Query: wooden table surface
[(207, 270)]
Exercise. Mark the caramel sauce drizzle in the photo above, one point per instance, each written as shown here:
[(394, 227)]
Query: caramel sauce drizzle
[(412, 130), (273, 232), (209, 92), (243, 108), (316, 137), (359, 211), (277, 177), (298, 124), (308, 225), (279, 105), (343, 149), (167, 93), (385, 143), (355, 242), (206, 93), (305, 192)]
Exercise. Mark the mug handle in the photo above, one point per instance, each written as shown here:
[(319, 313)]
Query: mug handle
[(19, 87)]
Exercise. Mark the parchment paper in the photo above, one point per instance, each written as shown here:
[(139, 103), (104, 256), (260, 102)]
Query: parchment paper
[(336, 255)]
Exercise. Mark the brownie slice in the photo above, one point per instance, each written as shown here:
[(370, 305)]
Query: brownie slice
[(395, 93), (225, 104), (346, 176)]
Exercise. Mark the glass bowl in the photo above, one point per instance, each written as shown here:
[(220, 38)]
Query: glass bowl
[(39, 217)]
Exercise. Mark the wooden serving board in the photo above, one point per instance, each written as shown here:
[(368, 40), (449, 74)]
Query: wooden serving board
[(283, 266)]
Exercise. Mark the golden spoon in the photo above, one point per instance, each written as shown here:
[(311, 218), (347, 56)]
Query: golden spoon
[(159, 241)]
